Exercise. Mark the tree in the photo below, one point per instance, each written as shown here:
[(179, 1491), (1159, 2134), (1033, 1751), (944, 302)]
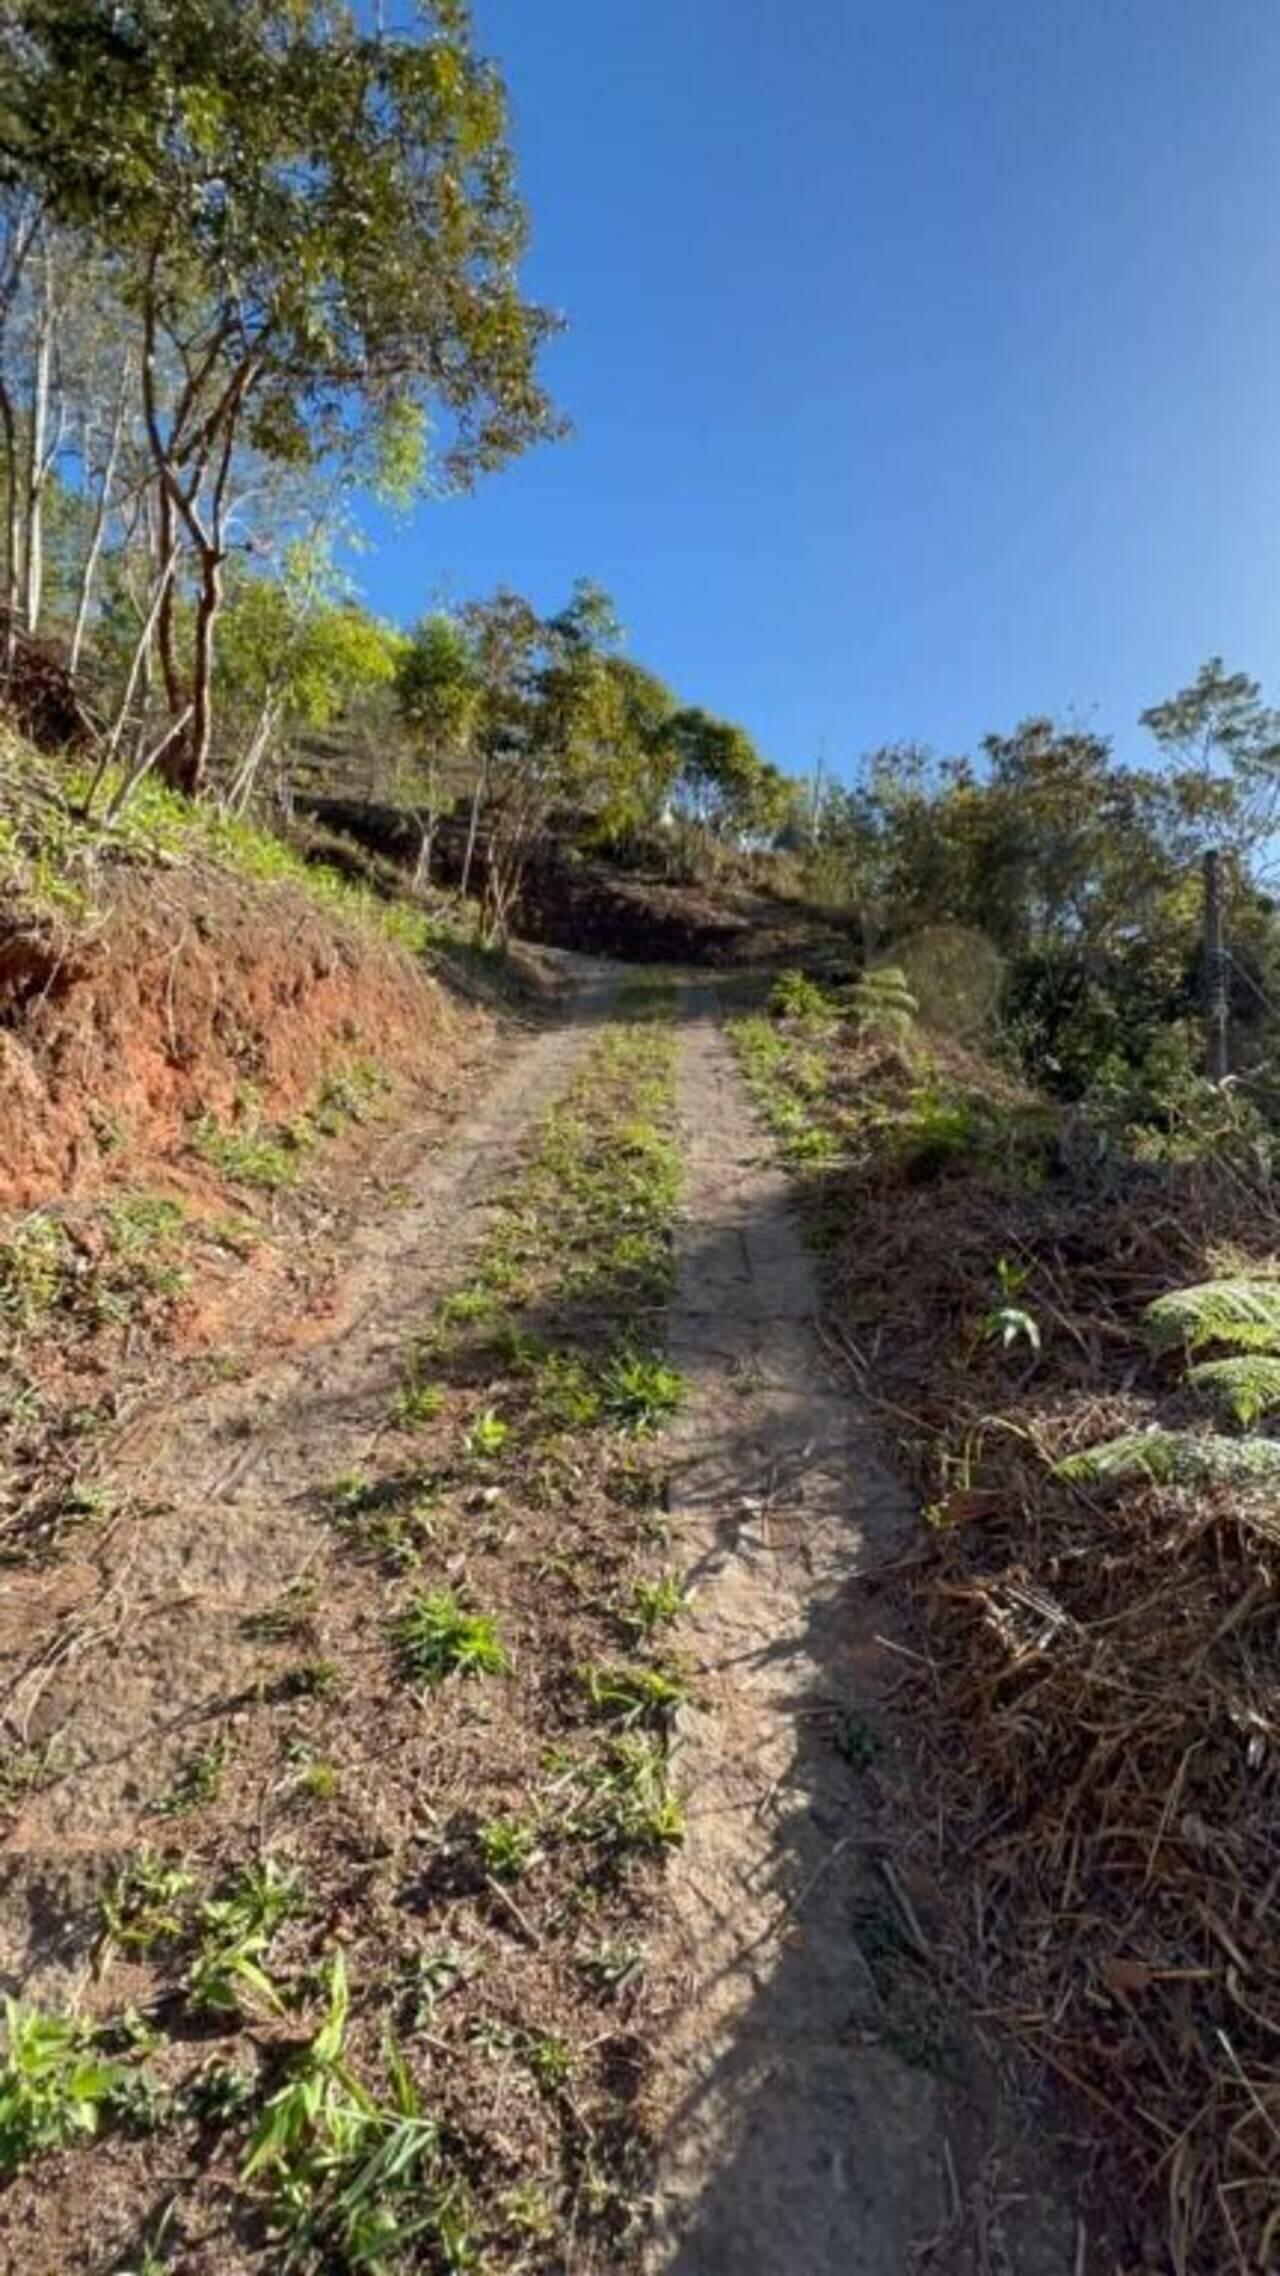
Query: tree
[(293, 653), (304, 265), (720, 782), (1228, 744), (439, 692)]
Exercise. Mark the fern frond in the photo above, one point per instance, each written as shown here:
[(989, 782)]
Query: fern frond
[(1245, 1313), (1245, 1388), (1172, 1458), (882, 998)]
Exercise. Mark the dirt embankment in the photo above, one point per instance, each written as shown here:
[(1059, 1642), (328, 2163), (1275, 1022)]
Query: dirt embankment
[(189, 991), (573, 899)]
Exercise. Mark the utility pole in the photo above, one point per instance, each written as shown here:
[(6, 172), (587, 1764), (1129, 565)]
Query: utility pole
[(1216, 1007)]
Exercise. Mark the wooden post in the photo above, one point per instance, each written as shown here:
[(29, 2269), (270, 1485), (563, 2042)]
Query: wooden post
[(1216, 1007)]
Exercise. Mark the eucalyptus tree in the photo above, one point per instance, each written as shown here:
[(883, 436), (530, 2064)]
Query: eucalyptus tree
[(439, 694), (314, 228), (295, 650)]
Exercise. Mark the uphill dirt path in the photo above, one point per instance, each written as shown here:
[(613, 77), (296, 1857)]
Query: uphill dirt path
[(129, 1659), (821, 2114), (814, 2111)]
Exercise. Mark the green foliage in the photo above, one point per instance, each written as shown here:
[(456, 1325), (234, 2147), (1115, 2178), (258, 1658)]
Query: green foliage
[(1008, 1322), (1172, 1458), (198, 1780), (487, 1435), (632, 1695), (938, 1127), (509, 1846), (304, 283), (248, 1155), (35, 1265), (353, 2182), (145, 1902), (627, 1802), (418, 1403), (437, 1638), (1245, 1313), (656, 1603), (1245, 1388), (640, 1392), (883, 1004), (236, 1931), (795, 996), (54, 2087)]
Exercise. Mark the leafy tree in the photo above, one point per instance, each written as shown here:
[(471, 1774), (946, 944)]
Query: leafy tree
[(292, 653), (316, 235), (439, 692), (1227, 742), (720, 783)]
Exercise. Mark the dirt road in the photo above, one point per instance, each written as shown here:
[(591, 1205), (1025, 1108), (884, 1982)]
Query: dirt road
[(812, 2110)]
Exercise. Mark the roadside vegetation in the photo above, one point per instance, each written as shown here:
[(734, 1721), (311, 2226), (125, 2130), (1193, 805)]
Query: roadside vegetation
[(1067, 1323)]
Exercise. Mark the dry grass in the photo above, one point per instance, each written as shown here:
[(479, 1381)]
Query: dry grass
[(1098, 1699)]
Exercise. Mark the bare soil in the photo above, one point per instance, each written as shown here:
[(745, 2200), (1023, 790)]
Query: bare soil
[(190, 988)]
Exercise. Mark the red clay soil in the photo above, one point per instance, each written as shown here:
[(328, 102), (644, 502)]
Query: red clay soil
[(191, 986)]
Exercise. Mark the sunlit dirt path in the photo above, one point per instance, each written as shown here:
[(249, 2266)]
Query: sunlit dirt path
[(811, 2128)]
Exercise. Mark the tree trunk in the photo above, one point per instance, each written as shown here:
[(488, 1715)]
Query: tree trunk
[(98, 533), (241, 790), (473, 827), (187, 759), (13, 546), (37, 460)]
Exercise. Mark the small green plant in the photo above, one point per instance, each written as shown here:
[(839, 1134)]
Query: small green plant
[(54, 2084), (37, 1263), (626, 1799), (635, 1694), (551, 2060), (1243, 1313), (220, 2093), (487, 1436), (611, 1968), (1244, 1388), (144, 1902), (509, 1847), (345, 1096), (1007, 1322), (1171, 1457), (310, 1679), (315, 1777), (883, 1004), (564, 1394), (24, 1770), (146, 1233), (640, 1391), (198, 1780), (248, 1154), (355, 2183), (795, 996), (429, 1979), (418, 1403), (437, 1638), (655, 1604), (236, 1931), (290, 1620)]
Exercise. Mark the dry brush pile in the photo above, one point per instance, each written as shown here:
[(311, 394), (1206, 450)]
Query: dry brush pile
[(1100, 1700)]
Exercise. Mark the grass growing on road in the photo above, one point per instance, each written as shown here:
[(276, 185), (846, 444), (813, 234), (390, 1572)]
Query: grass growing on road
[(382, 1932)]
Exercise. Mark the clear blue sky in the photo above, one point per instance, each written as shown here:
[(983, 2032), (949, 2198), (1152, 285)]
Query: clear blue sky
[(924, 355)]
